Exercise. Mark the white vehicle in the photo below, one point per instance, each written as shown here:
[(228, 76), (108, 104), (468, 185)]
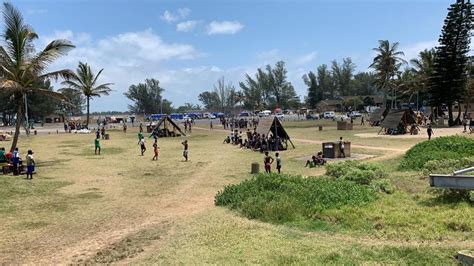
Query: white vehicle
[(209, 115), (280, 115), (329, 115), (355, 114), (265, 113), (341, 117)]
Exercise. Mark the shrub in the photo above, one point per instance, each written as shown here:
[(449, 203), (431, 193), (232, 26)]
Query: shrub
[(283, 198), (442, 148), (358, 172), (383, 185)]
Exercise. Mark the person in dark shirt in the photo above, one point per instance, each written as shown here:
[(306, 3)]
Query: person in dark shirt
[(186, 150), (429, 131)]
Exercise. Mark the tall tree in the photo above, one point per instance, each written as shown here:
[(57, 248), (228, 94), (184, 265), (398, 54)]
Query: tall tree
[(422, 67), (225, 94), (342, 74), (387, 65), (448, 82), (326, 82), (363, 84), (210, 100), (85, 82), (281, 90), (23, 70), (252, 92), (315, 94), (76, 102), (147, 98)]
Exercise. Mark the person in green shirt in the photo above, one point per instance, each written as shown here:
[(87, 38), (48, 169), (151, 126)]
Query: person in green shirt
[(140, 136), (2, 155), (97, 146)]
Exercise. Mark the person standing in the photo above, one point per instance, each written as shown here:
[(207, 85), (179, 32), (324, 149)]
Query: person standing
[(186, 150), (267, 161), (278, 162), (429, 131), (124, 127), (97, 134), (140, 136), (141, 127), (211, 126), (30, 165), (362, 121), (16, 161), (142, 146), (155, 150), (102, 132), (341, 146), (464, 123), (97, 146)]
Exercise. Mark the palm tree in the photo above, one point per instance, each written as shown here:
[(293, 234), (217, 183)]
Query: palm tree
[(84, 81), (422, 67), (387, 63), (22, 70)]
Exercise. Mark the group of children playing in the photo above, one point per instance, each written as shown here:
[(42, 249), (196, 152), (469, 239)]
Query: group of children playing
[(12, 160)]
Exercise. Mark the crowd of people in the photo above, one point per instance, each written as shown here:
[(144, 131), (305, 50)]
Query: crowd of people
[(256, 141)]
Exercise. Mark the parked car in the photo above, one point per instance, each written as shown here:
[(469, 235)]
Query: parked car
[(312, 116), (264, 113), (280, 115), (341, 117), (244, 114), (355, 114), (209, 116), (329, 115)]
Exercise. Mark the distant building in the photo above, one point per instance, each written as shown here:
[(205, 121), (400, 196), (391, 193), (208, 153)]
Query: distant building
[(329, 105)]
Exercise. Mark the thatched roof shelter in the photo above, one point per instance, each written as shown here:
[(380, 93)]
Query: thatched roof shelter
[(271, 125), (396, 117)]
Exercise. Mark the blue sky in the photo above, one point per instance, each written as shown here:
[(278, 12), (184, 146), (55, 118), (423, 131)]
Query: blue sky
[(188, 45)]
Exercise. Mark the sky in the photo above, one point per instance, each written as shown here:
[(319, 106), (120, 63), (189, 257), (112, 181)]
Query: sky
[(189, 45)]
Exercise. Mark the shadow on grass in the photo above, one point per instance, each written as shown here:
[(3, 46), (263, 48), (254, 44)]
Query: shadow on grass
[(450, 197)]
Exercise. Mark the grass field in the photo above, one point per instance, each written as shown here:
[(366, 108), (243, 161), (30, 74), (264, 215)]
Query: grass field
[(122, 207)]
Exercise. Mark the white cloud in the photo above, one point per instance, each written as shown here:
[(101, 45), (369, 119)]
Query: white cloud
[(411, 51), (128, 58), (224, 27), (306, 59), (187, 26), (180, 14)]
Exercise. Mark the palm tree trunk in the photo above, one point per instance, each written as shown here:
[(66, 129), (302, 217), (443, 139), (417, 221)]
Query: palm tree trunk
[(19, 121), (87, 122)]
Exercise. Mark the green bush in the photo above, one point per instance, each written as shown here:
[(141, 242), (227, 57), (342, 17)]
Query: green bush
[(442, 148), (447, 166), (358, 172), (383, 185), (283, 198)]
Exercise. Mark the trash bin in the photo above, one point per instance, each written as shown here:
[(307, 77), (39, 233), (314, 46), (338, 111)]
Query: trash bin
[(255, 168), (320, 128), (106, 136), (329, 149)]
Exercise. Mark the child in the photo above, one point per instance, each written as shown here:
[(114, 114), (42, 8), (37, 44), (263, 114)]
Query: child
[(97, 146), (102, 132), (30, 164), (155, 150), (267, 161), (341, 146), (97, 134), (142, 145), (278, 161), (140, 136), (16, 161), (124, 127), (430, 132), (185, 151)]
